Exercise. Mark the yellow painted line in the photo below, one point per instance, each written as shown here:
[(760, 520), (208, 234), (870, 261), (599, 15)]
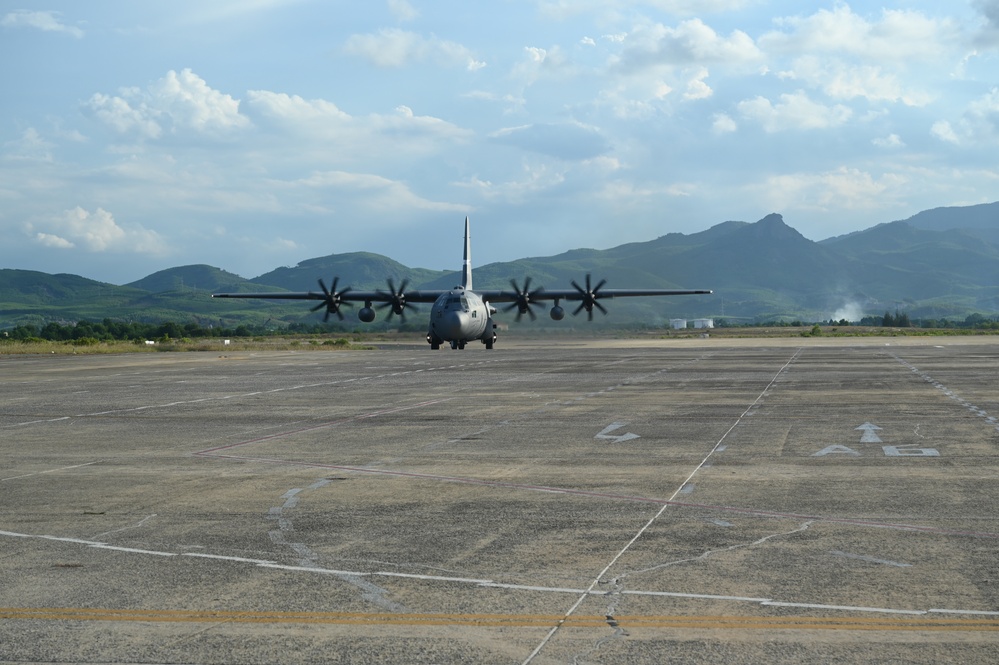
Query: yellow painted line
[(503, 620)]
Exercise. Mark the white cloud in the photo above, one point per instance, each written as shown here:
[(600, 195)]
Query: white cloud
[(96, 232), (890, 141), (47, 21), (372, 192), (293, 108), (978, 126), (692, 42), (840, 189), (540, 63), (392, 47), (188, 100), (723, 124), (535, 179), (943, 131), (118, 114), (794, 111), (319, 119), (897, 36), (49, 240), (697, 88), (840, 80), (179, 102)]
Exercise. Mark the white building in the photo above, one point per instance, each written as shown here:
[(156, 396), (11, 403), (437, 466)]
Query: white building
[(704, 323), (678, 324)]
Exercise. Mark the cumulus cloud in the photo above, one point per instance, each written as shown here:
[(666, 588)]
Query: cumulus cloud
[(723, 124), (692, 42), (943, 130), (794, 111), (392, 47), (841, 80), (175, 103), (897, 35), (96, 232), (697, 88), (47, 21), (318, 119)]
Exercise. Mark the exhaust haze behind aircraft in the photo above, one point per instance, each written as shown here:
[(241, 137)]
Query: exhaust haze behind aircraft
[(461, 315)]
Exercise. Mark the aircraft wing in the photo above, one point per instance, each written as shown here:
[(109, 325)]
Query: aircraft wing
[(573, 294), (346, 295), (524, 298), (398, 300)]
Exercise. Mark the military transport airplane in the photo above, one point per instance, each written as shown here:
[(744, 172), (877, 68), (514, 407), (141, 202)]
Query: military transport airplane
[(461, 315)]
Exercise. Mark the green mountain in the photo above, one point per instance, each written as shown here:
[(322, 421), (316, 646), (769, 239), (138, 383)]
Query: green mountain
[(189, 278), (359, 270), (938, 263)]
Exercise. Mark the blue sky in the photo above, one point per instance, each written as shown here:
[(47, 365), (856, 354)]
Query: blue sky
[(251, 134)]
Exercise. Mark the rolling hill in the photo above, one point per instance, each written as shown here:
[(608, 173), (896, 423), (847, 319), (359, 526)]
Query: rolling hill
[(942, 262)]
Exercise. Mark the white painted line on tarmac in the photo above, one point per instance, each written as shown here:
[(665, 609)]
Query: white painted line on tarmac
[(689, 480), (38, 473), (235, 559), (585, 593), (133, 550), (37, 422), (697, 596)]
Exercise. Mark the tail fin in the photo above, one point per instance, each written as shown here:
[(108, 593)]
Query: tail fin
[(466, 266)]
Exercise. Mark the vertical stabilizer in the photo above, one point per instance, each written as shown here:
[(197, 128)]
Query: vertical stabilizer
[(466, 266)]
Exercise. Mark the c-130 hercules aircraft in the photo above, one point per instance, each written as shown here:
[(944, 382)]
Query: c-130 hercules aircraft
[(461, 315)]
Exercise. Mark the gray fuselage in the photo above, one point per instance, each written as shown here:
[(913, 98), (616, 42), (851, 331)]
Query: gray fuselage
[(459, 316)]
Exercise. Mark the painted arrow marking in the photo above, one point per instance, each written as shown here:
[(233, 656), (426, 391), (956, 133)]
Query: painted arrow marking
[(605, 433), (868, 435)]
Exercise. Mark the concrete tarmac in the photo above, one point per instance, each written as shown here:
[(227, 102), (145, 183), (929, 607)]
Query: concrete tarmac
[(696, 501)]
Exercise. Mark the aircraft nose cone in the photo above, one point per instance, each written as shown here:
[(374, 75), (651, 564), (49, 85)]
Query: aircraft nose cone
[(449, 326)]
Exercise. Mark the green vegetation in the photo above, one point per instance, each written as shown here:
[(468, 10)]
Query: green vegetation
[(110, 336)]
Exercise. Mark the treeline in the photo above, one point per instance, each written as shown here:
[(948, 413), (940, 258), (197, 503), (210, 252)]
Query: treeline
[(887, 320), (902, 320), (108, 330)]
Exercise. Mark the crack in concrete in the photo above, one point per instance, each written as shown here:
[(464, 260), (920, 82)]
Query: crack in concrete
[(308, 559)]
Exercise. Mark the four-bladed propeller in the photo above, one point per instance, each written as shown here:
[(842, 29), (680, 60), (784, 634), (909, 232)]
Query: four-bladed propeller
[(589, 297), (396, 300), (331, 300), (525, 299)]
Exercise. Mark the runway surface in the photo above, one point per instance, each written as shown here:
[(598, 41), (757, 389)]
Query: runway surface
[(600, 502)]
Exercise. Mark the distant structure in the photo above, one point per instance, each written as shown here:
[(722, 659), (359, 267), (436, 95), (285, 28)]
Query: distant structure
[(678, 324), (704, 323)]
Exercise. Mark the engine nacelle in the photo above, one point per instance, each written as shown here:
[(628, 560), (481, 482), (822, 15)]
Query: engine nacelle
[(366, 314), (557, 313)]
